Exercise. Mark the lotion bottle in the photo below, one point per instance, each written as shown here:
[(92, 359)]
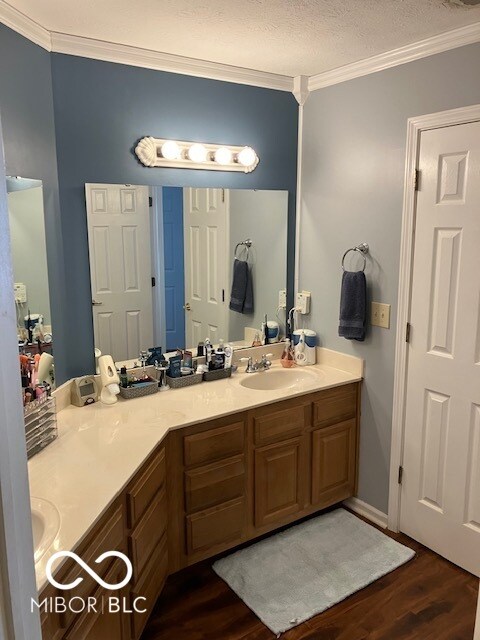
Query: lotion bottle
[(288, 357)]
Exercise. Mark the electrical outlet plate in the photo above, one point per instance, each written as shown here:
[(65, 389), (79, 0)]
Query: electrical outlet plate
[(381, 315), (282, 299), (20, 292), (302, 302)]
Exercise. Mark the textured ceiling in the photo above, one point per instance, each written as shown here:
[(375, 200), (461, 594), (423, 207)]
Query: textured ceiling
[(291, 37)]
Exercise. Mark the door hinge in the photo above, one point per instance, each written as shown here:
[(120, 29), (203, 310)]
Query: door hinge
[(154, 282), (223, 295), (223, 195), (407, 332), (417, 180), (150, 201), (400, 475)]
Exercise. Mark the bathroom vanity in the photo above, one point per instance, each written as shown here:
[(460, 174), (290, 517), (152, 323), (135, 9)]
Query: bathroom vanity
[(206, 486)]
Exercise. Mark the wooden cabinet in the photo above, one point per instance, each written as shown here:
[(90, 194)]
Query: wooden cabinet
[(147, 537), (333, 463), (213, 479), (208, 488), (278, 482), (135, 524), (108, 621)]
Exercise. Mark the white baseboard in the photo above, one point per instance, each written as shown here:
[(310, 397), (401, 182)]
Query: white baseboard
[(367, 511)]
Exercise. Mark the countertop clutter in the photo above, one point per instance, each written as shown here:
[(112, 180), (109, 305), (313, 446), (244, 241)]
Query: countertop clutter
[(100, 448)]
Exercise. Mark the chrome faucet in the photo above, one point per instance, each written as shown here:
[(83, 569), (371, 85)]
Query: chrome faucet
[(254, 367)]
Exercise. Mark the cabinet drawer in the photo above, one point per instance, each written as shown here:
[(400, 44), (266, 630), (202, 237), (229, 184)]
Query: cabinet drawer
[(279, 425), (145, 487), (148, 533), (108, 536), (335, 405), (215, 526), (215, 483), (149, 587), (214, 444)]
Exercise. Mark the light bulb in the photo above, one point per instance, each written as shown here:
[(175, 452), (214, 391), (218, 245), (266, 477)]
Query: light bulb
[(247, 157), (197, 153), (223, 156), (170, 150)]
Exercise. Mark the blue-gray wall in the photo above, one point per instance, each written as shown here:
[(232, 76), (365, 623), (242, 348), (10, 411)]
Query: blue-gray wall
[(26, 109), (353, 171), (101, 111)]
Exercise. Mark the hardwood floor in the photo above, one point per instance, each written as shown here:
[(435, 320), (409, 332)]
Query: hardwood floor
[(427, 599)]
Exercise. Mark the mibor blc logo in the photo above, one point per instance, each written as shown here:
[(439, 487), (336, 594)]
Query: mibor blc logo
[(77, 604)]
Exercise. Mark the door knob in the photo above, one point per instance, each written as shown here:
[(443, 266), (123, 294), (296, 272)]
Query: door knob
[(187, 306), (96, 304)]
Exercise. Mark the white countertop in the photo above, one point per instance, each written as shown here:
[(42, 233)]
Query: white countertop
[(100, 448)]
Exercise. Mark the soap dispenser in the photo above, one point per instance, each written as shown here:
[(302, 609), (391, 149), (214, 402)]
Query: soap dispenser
[(288, 357), (109, 379)]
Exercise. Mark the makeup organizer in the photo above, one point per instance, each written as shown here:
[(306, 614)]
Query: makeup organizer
[(40, 424)]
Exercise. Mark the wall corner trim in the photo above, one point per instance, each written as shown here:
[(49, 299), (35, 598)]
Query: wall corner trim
[(148, 59), (25, 26), (367, 511), (300, 89), (421, 49)]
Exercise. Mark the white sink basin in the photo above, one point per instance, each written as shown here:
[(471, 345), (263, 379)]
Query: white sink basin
[(278, 379), (45, 525)]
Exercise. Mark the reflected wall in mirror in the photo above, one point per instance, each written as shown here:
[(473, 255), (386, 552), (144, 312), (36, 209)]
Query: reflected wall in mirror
[(29, 257), (162, 264)]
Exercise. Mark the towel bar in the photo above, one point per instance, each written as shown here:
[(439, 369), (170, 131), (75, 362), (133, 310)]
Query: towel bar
[(362, 248), (245, 243)]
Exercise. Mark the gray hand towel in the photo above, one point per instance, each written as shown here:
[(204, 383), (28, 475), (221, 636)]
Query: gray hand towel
[(241, 298), (353, 306)]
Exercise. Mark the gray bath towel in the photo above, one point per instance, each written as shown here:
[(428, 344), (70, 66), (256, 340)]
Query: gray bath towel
[(241, 299), (353, 306)]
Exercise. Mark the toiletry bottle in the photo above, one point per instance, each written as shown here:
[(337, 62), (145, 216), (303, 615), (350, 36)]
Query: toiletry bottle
[(265, 330), (123, 377), (208, 351), (228, 356), (256, 341), (288, 357)]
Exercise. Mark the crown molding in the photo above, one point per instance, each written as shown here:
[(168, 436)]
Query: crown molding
[(148, 59), (422, 49), (25, 26), (300, 86)]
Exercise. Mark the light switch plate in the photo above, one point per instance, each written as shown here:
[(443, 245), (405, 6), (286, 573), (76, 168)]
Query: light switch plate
[(381, 315)]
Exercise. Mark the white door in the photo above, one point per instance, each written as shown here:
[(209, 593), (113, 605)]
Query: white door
[(440, 503), (120, 268), (205, 223)]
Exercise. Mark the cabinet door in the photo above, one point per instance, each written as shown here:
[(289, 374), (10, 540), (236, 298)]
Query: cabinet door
[(103, 624), (333, 463), (278, 486)]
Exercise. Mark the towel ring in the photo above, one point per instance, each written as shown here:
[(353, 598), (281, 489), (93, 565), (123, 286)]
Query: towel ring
[(361, 248), (245, 243)]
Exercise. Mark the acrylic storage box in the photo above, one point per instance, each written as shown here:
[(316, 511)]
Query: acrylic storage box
[(40, 425)]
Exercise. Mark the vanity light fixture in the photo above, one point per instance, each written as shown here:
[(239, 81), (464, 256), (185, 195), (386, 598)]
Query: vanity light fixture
[(223, 155), (197, 153), (158, 152), (170, 150)]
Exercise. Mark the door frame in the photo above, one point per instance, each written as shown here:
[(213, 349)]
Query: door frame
[(17, 568), (415, 127)]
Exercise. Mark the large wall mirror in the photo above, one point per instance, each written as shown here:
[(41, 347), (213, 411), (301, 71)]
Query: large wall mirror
[(171, 266), (29, 257)]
